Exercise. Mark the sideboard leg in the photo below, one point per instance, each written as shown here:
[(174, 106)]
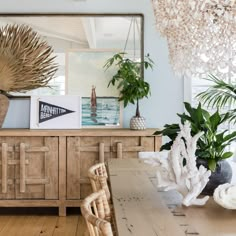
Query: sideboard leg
[(62, 211)]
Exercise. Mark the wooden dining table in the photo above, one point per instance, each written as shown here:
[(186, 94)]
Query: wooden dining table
[(142, 210)]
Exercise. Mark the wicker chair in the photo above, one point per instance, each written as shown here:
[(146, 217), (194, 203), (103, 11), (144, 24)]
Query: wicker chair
[(96, 211), (98, 179)]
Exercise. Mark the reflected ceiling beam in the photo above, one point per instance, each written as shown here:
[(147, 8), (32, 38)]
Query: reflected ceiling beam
[(90, 32), (60, 36), (46, 32)]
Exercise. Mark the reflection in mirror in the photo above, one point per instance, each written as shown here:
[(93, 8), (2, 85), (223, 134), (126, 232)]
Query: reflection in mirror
[(66, 33)]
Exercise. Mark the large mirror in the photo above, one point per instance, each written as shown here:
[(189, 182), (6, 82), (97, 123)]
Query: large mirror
[(78, 40)]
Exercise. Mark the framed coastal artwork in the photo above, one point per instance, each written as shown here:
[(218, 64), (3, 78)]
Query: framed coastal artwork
[(106, 113), (55, 112), (85, 76)]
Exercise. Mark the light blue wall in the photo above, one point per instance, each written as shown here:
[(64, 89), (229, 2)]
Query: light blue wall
[(167, 90)]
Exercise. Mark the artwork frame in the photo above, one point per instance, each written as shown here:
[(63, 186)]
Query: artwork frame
[(55, 112), (85, 75), (107, 113)]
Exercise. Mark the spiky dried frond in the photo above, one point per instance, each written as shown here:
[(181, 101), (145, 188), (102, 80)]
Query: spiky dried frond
[(26, 61)]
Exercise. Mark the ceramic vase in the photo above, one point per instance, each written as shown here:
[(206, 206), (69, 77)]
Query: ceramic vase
[(4, 104), (221, 175), (137, 123)]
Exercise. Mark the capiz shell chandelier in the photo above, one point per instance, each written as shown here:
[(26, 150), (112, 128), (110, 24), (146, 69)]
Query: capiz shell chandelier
[(201, 35)]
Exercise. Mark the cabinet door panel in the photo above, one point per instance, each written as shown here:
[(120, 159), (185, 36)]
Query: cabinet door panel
[(7, 168), (92, 147), (129, 147), (82, 153), (148, 144), (51, 168), (86, 189), (73, 168), (37, 174)]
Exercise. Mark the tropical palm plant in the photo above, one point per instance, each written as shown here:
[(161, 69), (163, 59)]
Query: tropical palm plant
[(219, 95)]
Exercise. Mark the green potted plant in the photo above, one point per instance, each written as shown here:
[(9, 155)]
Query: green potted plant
[(211, 146), (130, 82)]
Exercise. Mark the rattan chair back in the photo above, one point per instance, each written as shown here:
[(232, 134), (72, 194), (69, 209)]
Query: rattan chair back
[(99, 178), (96, 212)]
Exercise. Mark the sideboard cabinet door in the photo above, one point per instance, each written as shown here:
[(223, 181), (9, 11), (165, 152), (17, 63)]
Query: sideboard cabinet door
[(32, 166), (7, 168), (129, 147), (82, 153)]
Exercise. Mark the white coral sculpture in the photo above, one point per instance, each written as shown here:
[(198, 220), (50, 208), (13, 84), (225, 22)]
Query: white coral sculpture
[(225, 195), (179, 170)]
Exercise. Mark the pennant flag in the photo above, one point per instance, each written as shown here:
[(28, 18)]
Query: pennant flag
[(49, 111)]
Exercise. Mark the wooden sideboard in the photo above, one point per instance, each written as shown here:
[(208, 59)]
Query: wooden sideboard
[(48, 168)]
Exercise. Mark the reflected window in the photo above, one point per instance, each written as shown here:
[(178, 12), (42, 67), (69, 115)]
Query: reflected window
[(81, 32)]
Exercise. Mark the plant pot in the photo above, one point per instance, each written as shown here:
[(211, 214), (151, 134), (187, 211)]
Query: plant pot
[(137, 123), (221, 175), (4, 104)]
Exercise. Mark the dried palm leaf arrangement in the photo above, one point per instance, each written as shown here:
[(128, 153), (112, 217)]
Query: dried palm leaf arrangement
[(26, 61)]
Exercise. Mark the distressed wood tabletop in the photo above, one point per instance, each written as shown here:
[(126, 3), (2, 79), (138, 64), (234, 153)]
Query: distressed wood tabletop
[(140, 209)]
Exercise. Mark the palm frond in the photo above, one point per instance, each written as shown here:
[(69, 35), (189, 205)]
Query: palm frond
[(232, 116), (26, 62), (218, 95)]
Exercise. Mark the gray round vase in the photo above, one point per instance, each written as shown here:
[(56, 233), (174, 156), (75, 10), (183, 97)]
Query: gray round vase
[(221, 175), (4, 104), (137, 123)]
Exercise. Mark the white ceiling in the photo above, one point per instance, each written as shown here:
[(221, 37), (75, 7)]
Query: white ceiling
[(85, 32)]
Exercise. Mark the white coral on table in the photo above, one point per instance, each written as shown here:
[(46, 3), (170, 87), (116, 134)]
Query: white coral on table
[(179, 171), (225, 195)]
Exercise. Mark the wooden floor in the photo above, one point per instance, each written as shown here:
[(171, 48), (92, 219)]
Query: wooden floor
[(41, 222)]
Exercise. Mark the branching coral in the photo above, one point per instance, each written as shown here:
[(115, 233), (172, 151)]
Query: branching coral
[(179, 171)]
